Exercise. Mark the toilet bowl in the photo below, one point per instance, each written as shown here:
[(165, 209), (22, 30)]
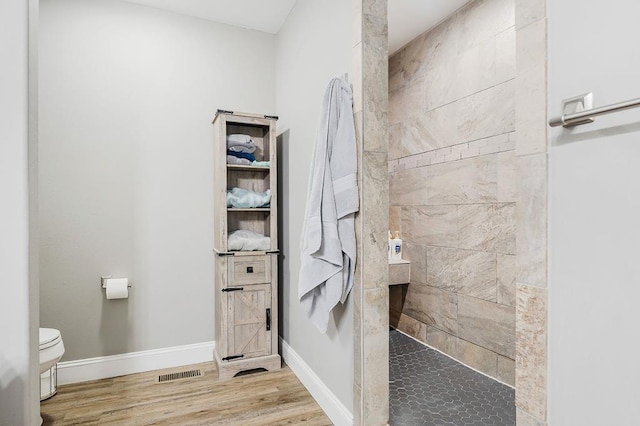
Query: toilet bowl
[(51, 348)]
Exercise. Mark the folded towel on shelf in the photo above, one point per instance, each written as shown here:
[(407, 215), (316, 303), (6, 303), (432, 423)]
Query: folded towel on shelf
[(240, 143), (261, 163), (246, 155), (244, 199), (245, 240), (248, 150), (231, 159)]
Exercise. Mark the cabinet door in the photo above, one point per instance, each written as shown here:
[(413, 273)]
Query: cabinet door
[(249, 322)]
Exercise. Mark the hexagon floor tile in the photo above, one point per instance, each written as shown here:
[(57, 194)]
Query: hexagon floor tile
[(428, 388)]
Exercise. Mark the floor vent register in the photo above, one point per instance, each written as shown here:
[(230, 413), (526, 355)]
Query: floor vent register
[(180, 375)]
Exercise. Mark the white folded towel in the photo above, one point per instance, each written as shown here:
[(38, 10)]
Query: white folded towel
[(245, 240)]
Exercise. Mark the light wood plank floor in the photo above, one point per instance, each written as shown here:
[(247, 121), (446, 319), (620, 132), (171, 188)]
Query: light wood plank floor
[(265, 398)]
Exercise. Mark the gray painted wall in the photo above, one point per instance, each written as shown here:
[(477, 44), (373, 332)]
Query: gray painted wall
[(594, 206), (313, 46), (127, 95)]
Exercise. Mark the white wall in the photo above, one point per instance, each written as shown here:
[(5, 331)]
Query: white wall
[(127, 95), (313, 46), (17, 401), (594, 282)]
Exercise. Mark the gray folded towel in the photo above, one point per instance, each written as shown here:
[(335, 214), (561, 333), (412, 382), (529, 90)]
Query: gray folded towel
[(240, 143), (237, 160)]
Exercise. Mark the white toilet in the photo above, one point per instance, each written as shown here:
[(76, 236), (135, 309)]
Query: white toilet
[(51, 350)]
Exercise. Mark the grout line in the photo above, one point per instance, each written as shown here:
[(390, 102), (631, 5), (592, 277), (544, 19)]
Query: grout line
[(456, 360)]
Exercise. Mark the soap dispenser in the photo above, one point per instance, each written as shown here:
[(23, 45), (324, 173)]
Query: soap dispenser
[(396, 247)]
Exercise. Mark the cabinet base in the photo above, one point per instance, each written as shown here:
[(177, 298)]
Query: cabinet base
[(228, 369)]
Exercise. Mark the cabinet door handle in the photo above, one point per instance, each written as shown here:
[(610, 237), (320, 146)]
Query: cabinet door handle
[(249, 269), (233, 289), (268, 319)]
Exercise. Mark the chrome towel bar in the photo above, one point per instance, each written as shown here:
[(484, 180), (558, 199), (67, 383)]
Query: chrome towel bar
[(579, 110)]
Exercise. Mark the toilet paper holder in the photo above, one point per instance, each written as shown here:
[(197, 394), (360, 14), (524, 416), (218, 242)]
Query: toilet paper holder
[(103, 285)]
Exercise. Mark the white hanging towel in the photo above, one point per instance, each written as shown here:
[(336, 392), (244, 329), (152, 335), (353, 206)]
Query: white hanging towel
[(328, 242)]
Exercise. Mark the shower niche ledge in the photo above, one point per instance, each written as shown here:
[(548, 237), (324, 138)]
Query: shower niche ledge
[(399, 272)]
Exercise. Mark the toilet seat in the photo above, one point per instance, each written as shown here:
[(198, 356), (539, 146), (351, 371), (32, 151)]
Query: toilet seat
[(49, 337)]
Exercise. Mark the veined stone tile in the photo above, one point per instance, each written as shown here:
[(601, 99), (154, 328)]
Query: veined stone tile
[(531, 91), (487, 113), (436, 225), (435, 129), (483, 19), (475, 69), (396, 137), (375, 33), (440, 87), (487, 227), (377, 139), (407, 187), (406, 101), (407, 224), (396, 75), (487, 324), (413, 58), (531, 350), (505, 215), (413, 328), (417, 255), (430, 48), (376, 220), (470, 180), (507, 177), (528, 11), (375, 7), (507, 280), (532, 220), (376, 352), (477, 357), (410, 162), (395, 218), (466, 272), (432, 306), (525, 419), (442, 341), (506, 370), (505, 56)]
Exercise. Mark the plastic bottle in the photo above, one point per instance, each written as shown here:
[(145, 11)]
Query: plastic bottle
[(396, 247)]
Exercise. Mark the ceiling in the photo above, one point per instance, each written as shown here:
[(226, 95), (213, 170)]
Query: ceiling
[(410, 18), (407, 18), (265, 15)]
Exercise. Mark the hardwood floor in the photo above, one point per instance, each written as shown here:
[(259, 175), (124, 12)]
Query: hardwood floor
[(264, 398)]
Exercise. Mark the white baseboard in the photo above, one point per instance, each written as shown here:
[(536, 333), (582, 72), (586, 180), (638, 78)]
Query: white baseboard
[(330, 404), (103, 367)]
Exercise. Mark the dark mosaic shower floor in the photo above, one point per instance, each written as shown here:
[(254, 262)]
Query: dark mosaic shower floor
[(429, 388)]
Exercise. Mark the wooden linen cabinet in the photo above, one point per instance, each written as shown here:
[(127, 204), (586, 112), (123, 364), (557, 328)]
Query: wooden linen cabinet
[(246, 282)]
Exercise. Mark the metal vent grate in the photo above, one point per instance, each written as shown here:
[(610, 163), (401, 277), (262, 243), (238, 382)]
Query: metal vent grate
[(180, 375)]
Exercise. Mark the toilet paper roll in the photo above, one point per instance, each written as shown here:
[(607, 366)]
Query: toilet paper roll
[(117, 288)]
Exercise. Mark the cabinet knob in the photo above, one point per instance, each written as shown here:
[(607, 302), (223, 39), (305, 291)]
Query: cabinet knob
[(249, 269)]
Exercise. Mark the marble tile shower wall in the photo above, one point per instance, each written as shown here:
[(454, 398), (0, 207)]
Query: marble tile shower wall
[(452, 185)]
